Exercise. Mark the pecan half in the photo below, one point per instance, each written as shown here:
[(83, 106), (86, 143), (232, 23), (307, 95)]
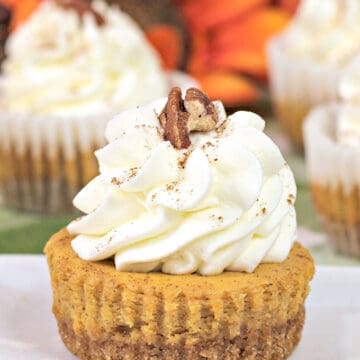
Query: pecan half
[(81, 7), (203, 116), (174, 120), (180, 117)]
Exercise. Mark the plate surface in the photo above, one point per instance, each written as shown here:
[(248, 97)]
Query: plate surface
[(28, 329)]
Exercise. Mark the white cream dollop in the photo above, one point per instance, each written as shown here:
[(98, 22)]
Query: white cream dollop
[(349, 87), (348, 123), (60, 64), (325, 31), (348, 126), (225, 203)]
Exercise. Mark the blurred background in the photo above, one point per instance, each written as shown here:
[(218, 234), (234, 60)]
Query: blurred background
[(222, 45)]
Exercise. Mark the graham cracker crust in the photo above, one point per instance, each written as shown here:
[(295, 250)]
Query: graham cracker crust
[(106, 314), (344, 237), (271, 341), (339, 213)]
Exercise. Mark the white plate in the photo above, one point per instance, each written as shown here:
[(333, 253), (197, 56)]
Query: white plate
[(28, 329)]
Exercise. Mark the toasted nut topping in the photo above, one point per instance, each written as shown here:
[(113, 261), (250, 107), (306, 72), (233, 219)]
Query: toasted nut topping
[(203, 116), (81, 7), (179, 117), (175, 119)]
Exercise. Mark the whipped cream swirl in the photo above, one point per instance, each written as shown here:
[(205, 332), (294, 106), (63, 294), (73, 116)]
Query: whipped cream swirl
[(62, 64), (348, 123), (325, 31), (225, 203), (349, 88)]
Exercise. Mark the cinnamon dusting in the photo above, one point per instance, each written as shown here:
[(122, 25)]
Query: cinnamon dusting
[(290, 199), (116, 181)]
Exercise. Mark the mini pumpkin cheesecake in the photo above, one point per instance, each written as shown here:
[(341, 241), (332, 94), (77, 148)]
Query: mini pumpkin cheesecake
[(69, 68), (307, 60), (332, 144), (187, 249), (107, 314)]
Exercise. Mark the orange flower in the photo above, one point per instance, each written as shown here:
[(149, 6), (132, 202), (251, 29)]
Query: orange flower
[(228, 39)]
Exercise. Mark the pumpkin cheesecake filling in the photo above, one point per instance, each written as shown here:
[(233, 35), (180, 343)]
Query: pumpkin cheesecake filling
[(107, 314)]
